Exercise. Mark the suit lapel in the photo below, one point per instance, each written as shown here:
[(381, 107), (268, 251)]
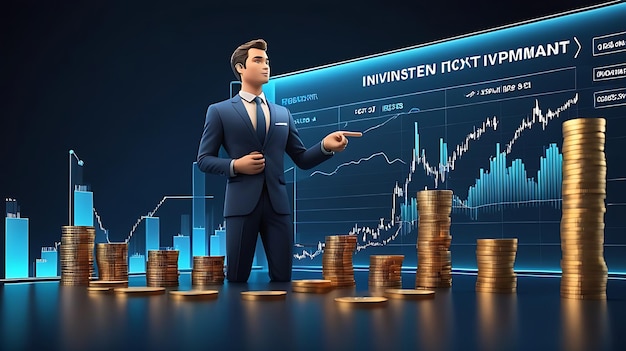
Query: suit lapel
[(243, 114)]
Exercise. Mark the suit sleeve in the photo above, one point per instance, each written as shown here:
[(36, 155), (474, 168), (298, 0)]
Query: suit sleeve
[(303, 158), (210, 143)]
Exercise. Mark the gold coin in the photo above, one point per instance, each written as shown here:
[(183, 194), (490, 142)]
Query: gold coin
[(583, 180), (311, 283), (580, 254), (589, 227), (577, 238), (410, 294), (593, 149), (386, 257), (488, 271), (365, 300), (589, 135), (263, 295), (495, 249), (496, 255), (194, 294), (440, 193), (591, 123), (589, 171), (585, 191), (495, 265), (496, 241), (336, 239), (485, 252)]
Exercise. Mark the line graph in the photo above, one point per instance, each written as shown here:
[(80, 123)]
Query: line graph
[(149, 214), (537, 116), (363, 159), (503, 183)]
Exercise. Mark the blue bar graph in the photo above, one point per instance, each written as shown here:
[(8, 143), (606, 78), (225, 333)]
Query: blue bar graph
[(497, 187), (218, 243), (16, 247), (83, 208), (46, 266), (137, 263), (183, 245), (408, 213), (502, 186), (152, 234), (198, 221), (199, 244)]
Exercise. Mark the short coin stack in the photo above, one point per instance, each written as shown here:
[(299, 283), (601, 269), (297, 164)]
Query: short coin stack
[(162, 268), (207, 270), (385, 271), (585, 273), (76, 254), (311, 286), (496, 261), (112, 260), (337, 260), (434, 262)]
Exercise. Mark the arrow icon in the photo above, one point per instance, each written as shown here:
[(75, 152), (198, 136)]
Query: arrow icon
[(579, 47)]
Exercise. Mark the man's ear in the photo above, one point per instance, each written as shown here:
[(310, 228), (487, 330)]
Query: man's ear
[(239, 67)]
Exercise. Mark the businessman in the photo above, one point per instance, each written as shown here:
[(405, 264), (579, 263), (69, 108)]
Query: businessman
[(256, 134)]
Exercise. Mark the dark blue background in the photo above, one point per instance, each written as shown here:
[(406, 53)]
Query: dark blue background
[(126, 85)]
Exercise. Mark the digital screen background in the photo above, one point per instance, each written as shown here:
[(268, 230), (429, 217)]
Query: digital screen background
[(492, 103)]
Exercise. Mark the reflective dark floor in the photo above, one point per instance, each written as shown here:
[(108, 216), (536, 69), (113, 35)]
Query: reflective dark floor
[(47, 316)]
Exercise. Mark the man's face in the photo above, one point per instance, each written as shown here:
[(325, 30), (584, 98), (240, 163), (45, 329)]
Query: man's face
[(257, 70)]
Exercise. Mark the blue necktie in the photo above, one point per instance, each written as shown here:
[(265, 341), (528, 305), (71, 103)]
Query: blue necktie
[(260, 120)]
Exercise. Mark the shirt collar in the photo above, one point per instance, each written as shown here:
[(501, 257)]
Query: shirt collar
[(249, 97)]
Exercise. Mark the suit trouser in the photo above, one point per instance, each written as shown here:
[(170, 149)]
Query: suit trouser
[(276, 231)]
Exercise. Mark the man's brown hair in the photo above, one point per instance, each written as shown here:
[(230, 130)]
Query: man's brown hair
[(240, 55)]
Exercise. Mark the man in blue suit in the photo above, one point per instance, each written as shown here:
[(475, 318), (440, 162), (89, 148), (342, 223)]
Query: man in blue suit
[(256, 134)]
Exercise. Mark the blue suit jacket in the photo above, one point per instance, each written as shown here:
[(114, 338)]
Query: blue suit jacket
[(228, 124)]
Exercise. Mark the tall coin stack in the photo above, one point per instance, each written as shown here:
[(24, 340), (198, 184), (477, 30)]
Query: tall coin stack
[(76, 254), (162, 268), (434, 262), (496, 261), (207, 270), (112, 260), (337, 260), (584, 271), (385, 271)]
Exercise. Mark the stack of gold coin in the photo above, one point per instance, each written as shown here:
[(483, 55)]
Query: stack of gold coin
[(112, 260), (585, 273), (434, 262), (76, 254), (207, 270), (496, 261), (311, 285), (162, 268), (337, 260), (385, 271)]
